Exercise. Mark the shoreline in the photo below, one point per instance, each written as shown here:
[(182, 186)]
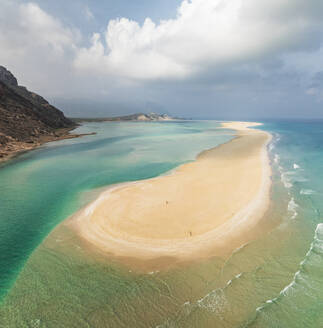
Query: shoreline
[(130, 224), (16, 148)]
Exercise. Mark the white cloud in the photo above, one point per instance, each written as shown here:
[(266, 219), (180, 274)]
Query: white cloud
[(205, 34), (47, 30), (213, 51), (88, 13), (27, 26), (36, 46)]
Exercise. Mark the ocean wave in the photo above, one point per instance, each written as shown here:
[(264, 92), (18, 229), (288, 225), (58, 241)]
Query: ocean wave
[(274, 141), (276, 158), (289, 177), (300, 179), (233, 254), (215, 302), (315, 248), (285, 179), (236, 277), (307, 192), (292, 207), (300, 281)]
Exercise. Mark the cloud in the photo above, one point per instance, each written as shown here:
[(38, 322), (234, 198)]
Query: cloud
[(223, 52), (316, 86), (26, 26), (47, 31), (88, 13), (206, 34), (36, 46)]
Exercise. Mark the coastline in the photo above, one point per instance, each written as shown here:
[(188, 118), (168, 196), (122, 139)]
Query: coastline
[(17, 148), (68, 282), (196, 212)]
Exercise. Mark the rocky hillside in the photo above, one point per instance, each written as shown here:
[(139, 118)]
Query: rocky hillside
[(153, 117), (26, 119)]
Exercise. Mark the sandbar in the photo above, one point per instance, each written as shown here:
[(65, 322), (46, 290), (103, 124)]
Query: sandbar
[(190, 213)]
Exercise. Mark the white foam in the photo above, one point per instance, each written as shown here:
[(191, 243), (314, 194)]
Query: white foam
[(292, 207), (317, 243), (215, 301), (290, 173), (239, 275), (286, 180), (153, 272), (273, 142), (276, 158), (291, 285), (307, 192), (300, 179), (319, 232), (296, 166)]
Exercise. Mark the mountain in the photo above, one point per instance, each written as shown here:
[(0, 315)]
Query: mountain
[(132, 117), (153, 117), (27, 119)]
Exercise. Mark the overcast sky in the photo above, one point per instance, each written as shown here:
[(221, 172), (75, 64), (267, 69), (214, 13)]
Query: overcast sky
[(235, 59)]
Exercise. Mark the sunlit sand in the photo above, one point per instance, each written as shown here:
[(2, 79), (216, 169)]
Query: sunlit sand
[(190, 213)]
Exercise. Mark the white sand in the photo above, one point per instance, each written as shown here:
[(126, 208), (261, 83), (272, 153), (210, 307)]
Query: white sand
[(189, 214)]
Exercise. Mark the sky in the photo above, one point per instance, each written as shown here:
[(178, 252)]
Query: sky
[(219, 59)]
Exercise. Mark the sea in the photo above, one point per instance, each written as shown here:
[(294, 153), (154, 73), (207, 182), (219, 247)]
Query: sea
[(274, 280)]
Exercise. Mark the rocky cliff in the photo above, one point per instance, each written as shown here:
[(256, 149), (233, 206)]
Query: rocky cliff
[(26, 119)]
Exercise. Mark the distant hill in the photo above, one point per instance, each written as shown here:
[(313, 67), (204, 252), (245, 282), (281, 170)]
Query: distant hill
[(26, 119), (132, 117)]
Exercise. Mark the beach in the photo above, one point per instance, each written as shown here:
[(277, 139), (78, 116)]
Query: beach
[(193, 212), (259, 266)]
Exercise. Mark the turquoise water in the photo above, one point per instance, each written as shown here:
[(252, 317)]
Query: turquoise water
[(45, 186), (297, 154), (273, 281)]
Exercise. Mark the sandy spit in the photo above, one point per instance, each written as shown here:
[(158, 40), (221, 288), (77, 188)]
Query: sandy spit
[(190, 214)]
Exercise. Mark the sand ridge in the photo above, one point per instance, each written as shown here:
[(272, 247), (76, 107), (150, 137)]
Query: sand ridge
[(190, 213)]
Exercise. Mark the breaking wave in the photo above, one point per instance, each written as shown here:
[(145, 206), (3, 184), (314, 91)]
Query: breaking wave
[(310, 267), (276, 158), (285, 178), (274, 141), (292, 207), (307, 192), (214, 302)]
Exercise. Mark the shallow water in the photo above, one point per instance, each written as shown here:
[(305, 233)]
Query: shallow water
[(45, 186), (274, 281)]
